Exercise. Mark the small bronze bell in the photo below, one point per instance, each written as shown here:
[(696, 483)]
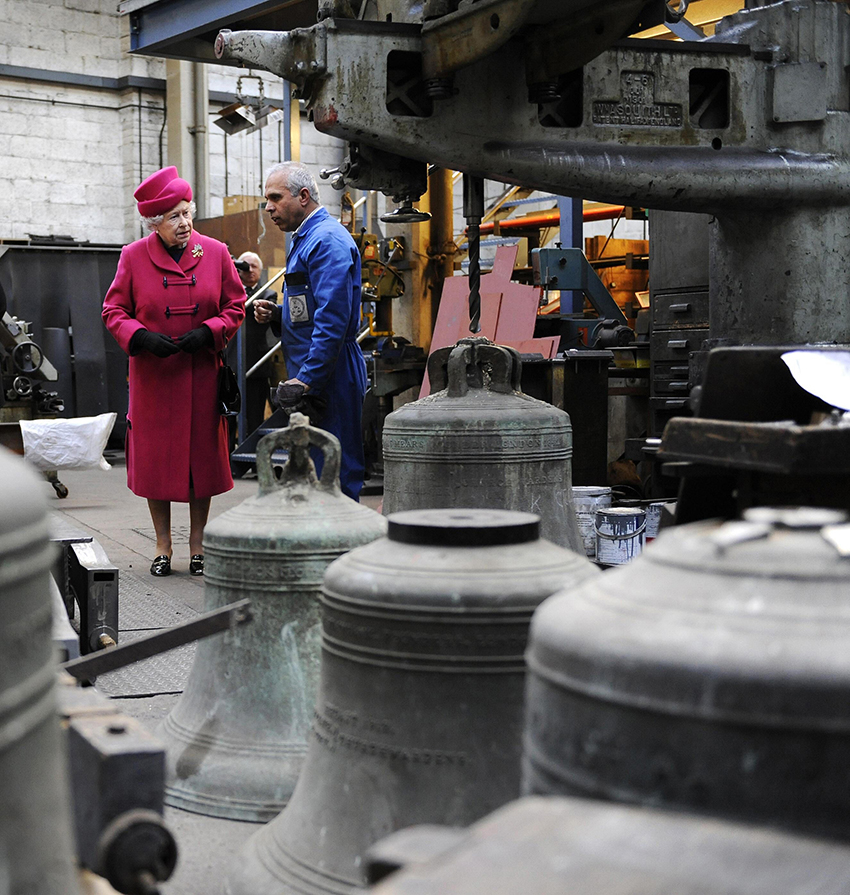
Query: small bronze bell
[(237, 737), (478, 441)]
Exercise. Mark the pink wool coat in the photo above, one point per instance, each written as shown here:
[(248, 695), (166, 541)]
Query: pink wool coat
[(175, 432)]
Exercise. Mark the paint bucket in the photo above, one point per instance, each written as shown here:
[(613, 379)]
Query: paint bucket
[(587, 499), (619, 534), (654, 511)]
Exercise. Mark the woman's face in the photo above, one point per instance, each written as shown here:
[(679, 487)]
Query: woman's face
[(176, 226)]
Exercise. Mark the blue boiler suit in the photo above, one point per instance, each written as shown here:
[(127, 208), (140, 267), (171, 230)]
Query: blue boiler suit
[(320, 319)]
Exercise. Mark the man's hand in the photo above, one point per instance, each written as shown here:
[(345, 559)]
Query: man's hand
[(263, 310), (298, 382), (290, 393)]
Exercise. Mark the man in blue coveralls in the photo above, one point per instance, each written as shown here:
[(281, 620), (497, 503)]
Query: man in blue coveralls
[(320, 316)]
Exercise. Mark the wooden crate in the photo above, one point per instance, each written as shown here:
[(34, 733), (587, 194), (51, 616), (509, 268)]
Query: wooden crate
[(248, 231), (238, 204)]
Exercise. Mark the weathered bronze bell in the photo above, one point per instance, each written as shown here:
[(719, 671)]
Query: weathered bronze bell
[(478, 441), (587, 847), (419, 715), (36, 850), (711, 674), (236, 739)]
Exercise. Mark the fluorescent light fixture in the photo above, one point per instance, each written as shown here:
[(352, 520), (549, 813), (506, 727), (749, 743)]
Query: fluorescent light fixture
[(235, 118)]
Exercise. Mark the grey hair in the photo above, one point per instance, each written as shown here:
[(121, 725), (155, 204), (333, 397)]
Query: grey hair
[(298, 177), (245, 255), (157, 219)]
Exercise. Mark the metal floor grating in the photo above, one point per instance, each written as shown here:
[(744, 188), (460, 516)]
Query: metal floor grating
[(157, 676), (142, 608)]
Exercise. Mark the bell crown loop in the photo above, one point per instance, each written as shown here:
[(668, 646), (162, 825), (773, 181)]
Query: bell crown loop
[(475, 363), (298, 436)]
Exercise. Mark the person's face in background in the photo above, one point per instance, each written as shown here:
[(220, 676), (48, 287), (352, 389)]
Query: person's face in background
[(176, 226), (250, 277)]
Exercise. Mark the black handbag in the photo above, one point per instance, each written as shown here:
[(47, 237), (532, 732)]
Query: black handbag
[(229, 396)]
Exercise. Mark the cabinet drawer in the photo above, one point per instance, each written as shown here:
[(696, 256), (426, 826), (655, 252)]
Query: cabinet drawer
[(670, 387), (670, 404), (675, 345), (671, 369), (676, 310)]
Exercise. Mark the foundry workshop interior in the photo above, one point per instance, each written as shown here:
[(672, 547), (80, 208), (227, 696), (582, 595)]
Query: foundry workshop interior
[(424, 437)]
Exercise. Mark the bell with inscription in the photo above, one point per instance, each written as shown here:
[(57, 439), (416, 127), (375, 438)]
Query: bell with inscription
[(478, 441), (36, 842), (237, 737), (712, 675), (419, 714)]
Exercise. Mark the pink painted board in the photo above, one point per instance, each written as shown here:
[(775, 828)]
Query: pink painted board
[(455, 322), (518, 313), (453, 314)]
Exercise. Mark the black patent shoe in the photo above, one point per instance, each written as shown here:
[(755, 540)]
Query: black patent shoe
[(161, 566), (196, 564)]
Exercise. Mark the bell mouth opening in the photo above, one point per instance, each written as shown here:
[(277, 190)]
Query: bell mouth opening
[(463, 527)]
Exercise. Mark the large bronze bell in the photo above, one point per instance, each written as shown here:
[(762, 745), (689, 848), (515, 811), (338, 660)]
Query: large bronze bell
[(419, 715), (711, 674), (236, 739), (36, 850), (478, 441)]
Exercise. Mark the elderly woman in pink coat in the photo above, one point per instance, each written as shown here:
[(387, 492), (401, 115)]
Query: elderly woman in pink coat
[(175, 301)]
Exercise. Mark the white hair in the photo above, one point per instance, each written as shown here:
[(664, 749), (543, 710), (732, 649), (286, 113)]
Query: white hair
[(253, 255), (298, 177), (157, 219)]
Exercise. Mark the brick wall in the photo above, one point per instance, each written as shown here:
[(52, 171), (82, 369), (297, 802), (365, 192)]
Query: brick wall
[(73, 146)]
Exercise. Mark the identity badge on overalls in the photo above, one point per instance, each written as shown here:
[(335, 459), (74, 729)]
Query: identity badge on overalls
[(296, 290)]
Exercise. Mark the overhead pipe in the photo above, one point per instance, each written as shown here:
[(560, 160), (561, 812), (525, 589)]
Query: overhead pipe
[(553, 218)]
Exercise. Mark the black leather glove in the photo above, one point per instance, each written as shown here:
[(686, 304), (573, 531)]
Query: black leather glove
[(196, 339), (157, 343), (288, 395)]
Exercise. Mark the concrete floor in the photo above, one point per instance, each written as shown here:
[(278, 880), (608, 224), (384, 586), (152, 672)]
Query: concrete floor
[(100, 504)]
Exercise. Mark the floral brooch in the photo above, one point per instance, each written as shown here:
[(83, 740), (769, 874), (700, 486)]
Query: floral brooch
[(197, 250)]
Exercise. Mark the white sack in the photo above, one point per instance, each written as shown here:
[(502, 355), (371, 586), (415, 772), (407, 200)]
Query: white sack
[(75, 443)]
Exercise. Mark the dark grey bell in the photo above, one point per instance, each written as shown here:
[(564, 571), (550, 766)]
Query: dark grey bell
[(712, 674), (237, 738), (419, 715), (575, 846), (478, 441), (36, 843)]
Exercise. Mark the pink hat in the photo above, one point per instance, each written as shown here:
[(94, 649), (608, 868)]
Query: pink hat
[(161, 191)]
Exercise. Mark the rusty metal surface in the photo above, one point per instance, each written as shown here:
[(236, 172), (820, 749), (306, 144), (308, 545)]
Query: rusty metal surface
[(765, 447), (700, 126), (636, 96)]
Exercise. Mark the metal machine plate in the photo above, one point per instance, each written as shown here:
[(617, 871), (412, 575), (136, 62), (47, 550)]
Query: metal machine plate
[(156, 676)]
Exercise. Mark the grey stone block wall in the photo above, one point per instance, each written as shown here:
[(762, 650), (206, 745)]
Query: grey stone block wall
[(71, 155)]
